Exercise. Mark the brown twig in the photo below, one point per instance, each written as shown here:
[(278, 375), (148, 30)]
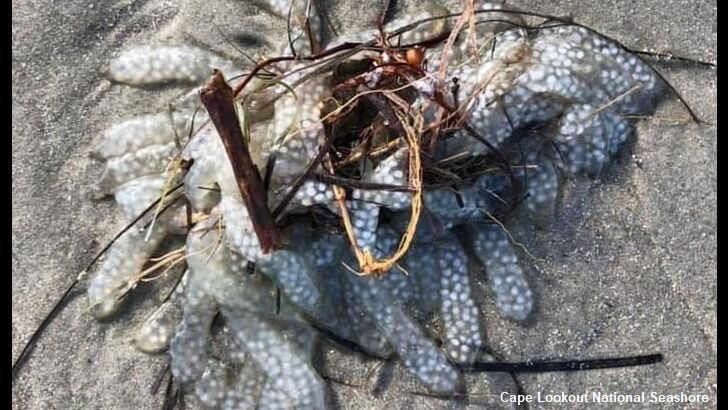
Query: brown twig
[(217, 96), (373, 153), (265, 63)]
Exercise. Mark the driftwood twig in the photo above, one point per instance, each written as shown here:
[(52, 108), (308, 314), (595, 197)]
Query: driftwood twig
[(217, 96)]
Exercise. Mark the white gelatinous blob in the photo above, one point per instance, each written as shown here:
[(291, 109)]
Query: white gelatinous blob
[(201, 181), (139, 132), (305, 21), (298, 281), (426, 31), (245, 392), (419, 354), (119, 271), (189, 347), (157, 330), (364, 219), (451, 207), (542, 185), (514, 299), (393, 171), (150, 160), (323, 251), (396, 281), (275, 399), (212, 386), (137, 195), (314, 193), (283, 361), (421, 264), (364, 328), (296, 131), (153, 65), (459, 313), (582, 141), (201, 188), (239, 230)]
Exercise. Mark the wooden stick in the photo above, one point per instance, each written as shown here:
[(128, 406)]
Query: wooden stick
[(217, 96)]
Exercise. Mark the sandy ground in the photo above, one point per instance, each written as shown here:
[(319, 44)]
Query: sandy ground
[(627, 266)]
